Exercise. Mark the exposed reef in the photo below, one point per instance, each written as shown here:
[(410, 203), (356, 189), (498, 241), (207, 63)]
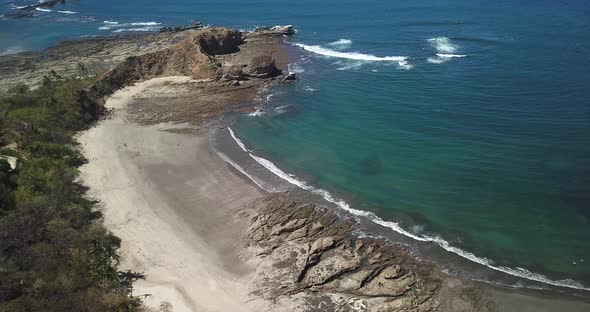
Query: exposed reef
[(311, 255)]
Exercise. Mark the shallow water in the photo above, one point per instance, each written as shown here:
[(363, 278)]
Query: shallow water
[(465, 122)]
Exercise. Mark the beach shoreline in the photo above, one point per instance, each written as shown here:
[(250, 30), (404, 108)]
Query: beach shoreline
[(188, 217)]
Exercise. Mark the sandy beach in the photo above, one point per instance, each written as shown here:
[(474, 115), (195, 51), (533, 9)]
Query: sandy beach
[(172, 201)]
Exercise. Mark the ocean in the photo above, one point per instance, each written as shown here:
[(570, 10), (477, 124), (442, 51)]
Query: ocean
[(463, 125)]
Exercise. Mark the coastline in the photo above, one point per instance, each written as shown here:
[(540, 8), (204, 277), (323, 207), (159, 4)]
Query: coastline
[(183, 213)]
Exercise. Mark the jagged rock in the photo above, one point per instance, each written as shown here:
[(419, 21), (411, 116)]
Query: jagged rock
[(392, 281), (313, 253), (286, 30), (262, 66), (233, 73), (322, 244), (217, 41), (289, 78), (329, 269), (193, 56)]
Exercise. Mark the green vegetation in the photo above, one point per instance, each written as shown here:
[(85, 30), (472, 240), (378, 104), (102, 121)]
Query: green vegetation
[(54, 255)]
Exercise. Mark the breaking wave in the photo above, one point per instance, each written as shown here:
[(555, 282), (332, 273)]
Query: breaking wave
[(67, 12), (401, 60), (43, 10), (341, 43), (149, 28), (445, 49), (292, 179), (121, 27)]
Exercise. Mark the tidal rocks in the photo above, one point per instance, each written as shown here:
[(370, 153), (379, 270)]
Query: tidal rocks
[(291, 77), (286, 30), (310, 252)]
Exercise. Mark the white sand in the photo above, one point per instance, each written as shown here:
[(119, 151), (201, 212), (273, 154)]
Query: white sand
[(172, 201)]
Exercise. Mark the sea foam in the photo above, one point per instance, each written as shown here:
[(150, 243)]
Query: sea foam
[(292, 179), (67, 12), (42, 10), (401, 60), (445, 49), (341, 43)]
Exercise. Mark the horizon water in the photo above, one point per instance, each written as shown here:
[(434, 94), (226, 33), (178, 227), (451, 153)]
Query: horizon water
[(464, 123)]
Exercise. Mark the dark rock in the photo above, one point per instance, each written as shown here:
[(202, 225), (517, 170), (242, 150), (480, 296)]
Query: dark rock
[(216, 41), (291, 77)]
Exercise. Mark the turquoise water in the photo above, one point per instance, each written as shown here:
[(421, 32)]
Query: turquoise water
[(485, 145)]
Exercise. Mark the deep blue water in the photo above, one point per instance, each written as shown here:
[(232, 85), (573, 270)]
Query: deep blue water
[(485, 146)]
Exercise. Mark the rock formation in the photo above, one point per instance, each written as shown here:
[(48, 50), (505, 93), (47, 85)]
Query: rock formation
[(194, 56), (311, 255)]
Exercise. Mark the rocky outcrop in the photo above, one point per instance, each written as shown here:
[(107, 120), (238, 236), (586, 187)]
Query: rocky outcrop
[(198, 56), (286, 30), (308, 252)]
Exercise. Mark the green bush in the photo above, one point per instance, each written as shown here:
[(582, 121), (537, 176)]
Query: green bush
[(54, 256)]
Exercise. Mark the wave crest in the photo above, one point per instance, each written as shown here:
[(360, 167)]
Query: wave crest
[(341, 43), (401, 60), (445, 49)]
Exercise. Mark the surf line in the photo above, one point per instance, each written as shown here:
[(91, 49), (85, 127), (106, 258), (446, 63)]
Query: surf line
[(292, 179), (402, 61)]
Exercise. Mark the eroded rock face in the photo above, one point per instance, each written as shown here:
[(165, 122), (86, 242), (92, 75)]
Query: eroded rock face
[(262, 66), (216, 41), (194, 56), (307, 251)]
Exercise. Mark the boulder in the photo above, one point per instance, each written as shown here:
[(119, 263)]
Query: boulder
[(289, 78)]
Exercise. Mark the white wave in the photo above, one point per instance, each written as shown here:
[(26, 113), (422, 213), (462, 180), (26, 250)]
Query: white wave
[(149, 28), (295, 68), (67, 12), (341, 43), (240, 169), (401, 60), (240, 143), (437, 60), (43, 10), (309, 89), (519, 272), (258, 112), (445, 49), (450, 55), (145, 24), (282, 109), (349, 55), (443, 45), (12, 50)]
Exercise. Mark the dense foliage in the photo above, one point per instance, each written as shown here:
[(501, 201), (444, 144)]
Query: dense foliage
[(54, 256)]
